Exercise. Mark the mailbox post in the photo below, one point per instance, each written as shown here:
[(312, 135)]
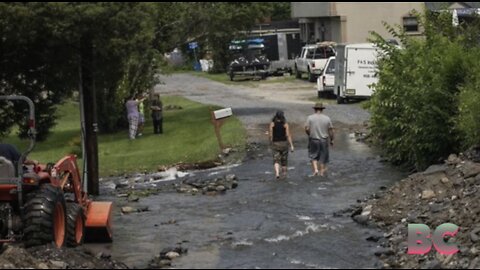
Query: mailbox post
[(218, 119)]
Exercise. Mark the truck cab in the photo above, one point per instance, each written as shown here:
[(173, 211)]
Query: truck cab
[(313, 58)]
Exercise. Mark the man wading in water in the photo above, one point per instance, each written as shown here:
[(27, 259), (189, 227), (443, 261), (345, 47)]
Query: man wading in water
[(319, 129)]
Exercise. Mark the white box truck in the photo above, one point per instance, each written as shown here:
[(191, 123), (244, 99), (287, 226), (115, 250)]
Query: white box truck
[(355, 71)]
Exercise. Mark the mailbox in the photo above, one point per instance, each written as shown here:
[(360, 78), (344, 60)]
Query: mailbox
[(223, 113)]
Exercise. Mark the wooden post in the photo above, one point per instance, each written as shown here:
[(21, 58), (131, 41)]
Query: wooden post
[(90, 114)]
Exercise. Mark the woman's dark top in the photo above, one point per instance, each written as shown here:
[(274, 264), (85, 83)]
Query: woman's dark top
[(279, 132)]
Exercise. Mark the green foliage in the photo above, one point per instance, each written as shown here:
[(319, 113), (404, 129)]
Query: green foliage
[(214, 24), (280, 11), (35, 63), (468, 120), (415, 104), (41, 49)]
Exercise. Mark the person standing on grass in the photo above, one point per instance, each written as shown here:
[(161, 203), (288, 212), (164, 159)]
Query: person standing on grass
[(141, 114), (280, 139), (156, 107), (319, 129), (133, 115)]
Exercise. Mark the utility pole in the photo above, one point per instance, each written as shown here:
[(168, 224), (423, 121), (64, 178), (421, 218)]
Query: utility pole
[(89, 109)]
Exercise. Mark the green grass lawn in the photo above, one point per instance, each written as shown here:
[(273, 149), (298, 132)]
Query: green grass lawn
[(188, 137)]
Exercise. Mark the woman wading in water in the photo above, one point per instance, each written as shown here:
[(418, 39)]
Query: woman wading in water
[(280, 139)]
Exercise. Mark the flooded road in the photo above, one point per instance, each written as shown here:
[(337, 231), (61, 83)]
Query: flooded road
[(264, 223)]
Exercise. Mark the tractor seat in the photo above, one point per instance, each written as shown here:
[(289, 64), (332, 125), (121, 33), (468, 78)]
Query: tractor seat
[(6, 168)]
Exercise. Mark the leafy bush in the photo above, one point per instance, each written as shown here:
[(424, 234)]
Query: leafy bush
[(415, 107), (468, 120)]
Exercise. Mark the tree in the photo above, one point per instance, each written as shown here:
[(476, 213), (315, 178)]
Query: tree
[(280, 11), (40, 50), (215, 24), (35, 63), (417, 115)]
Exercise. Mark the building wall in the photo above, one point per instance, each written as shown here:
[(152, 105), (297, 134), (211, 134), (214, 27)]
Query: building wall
[(310, 9), (350, 22), (360, 18)]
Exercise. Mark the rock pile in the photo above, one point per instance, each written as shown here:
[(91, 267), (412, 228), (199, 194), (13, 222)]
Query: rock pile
[(48, 257), (446, 193), (166, 256), (210, 187)]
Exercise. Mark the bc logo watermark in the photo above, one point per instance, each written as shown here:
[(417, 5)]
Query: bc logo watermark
[(420, 239)]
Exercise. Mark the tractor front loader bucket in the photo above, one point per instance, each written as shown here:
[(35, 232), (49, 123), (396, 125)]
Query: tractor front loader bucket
[(99, 222)]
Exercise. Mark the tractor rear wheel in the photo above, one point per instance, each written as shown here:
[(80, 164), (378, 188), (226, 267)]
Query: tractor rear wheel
[(45, 214), (75, 225)]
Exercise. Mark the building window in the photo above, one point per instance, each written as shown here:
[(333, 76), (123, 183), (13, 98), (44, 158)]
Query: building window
[(410, 24)]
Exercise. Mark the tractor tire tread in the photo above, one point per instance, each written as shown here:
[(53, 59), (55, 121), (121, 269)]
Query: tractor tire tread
[(73, 210), (39, 215)]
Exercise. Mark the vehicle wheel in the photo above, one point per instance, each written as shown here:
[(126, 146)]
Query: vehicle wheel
[(75, 225), (311, 76), (340, 100), (45, 214), (331, 95), (320, 94), (298, 75), (231, 76)]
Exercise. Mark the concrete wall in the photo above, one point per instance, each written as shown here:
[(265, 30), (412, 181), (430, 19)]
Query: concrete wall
[(360, 18), (351, 22), (310, 9)]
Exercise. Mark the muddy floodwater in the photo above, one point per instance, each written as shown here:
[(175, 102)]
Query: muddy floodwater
[(263, 223)]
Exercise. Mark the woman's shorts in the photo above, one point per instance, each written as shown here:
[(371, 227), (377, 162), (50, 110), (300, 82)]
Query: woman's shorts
[(280, 153)]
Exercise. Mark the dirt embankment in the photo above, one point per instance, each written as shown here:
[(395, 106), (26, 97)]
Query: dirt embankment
[(48, 257), (446, 193)]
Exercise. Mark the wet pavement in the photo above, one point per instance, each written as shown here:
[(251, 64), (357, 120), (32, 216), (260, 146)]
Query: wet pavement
[(264, 223)]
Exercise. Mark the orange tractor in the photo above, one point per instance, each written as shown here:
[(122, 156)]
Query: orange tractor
[(45, 203)]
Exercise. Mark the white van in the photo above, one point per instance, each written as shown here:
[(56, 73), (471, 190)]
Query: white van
[(326, 80), (356, 71)]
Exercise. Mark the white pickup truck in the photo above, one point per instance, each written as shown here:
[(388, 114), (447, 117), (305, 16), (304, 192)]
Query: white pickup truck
[(313, 58)]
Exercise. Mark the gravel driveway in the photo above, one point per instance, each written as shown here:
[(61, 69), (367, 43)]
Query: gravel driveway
[(256, 106)]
